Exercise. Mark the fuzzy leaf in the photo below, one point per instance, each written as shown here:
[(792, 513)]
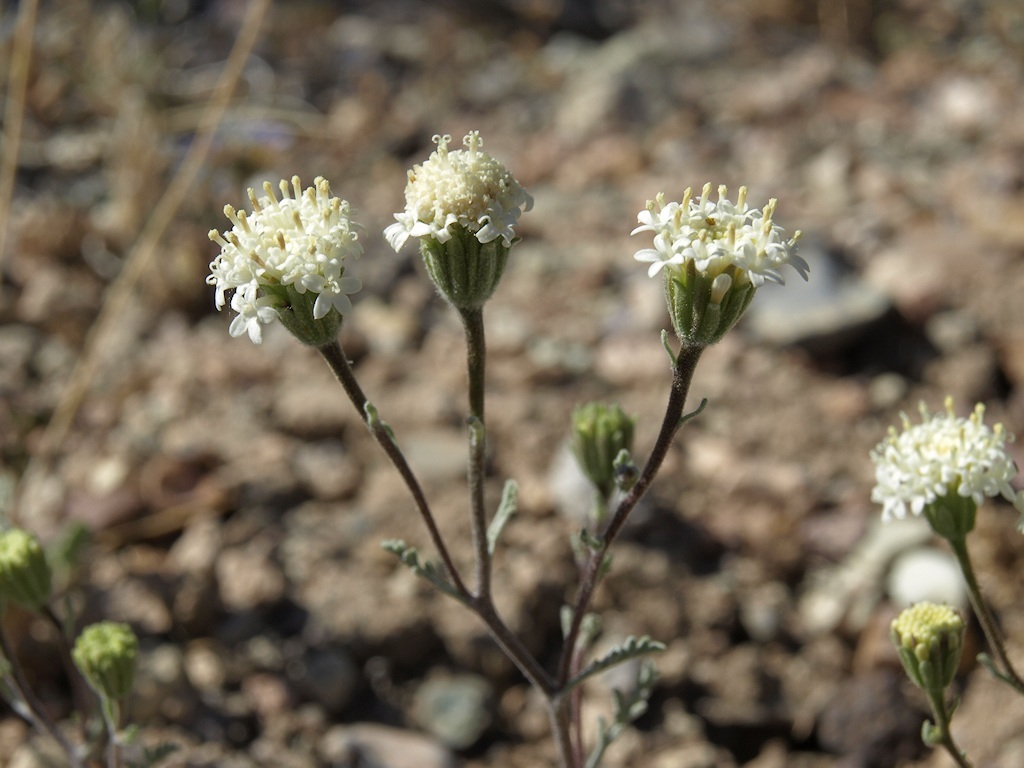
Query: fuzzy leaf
[(630, 649), (410, 558), (506, 509), (627, 708)]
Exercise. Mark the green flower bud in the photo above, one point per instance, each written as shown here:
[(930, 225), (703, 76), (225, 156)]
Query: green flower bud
[(105, 654), (24, 573), (929, 639), (599, 434)]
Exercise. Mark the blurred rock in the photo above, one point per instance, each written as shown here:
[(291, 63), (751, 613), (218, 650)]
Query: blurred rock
[(456, 709), (379, 746), (871, 722), (328, 676), (161, 689), (831, 310)]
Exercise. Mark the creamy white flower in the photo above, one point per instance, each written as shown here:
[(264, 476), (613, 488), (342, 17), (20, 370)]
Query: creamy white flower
[(942, 455), (468, 188), (718, 236), (300, 240)]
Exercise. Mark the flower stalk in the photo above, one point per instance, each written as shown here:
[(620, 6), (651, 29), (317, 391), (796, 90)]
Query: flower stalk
[(286, 262)]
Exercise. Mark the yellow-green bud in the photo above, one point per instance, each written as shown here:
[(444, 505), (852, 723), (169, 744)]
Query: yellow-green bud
[(599, 433), (929, 639), (24, 573), (105, 654)]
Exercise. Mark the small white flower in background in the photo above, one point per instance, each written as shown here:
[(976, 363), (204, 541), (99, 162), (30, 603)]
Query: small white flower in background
[(466, 188), (942, 456), (300, 240), (717, 236)]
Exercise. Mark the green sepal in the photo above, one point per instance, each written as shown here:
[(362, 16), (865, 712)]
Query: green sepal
[(465, 271), (295, 311), (698, 319), (952, 516)]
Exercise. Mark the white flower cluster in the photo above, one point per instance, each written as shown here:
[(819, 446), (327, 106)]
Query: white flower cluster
[(468, 188), (718, 235), (300, 240), (942, 455)]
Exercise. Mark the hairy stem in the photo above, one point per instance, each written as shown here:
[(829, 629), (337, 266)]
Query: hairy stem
[(38, 714), (482, 605), (942, 721), (682, 376), (476, 356), (984, 614), (335, 357)]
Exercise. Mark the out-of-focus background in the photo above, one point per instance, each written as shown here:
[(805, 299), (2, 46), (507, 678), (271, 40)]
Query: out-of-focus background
[(236, 502)]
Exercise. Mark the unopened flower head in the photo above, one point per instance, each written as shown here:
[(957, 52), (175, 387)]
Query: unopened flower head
[(287, 256), (715, 254), (460, 188), (929, 639), (943, 459), (599, 434), (25, 575), (105, 654)]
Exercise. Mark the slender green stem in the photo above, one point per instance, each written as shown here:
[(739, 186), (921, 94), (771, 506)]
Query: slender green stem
[(682, 376), (561, 731), (112, 718), (483, 606), (476, 362), (942, 723), (37, 712), (80, 693), (984, 614), (335, 357)]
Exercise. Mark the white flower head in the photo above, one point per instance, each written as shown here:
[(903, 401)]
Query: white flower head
[(941, 456), (465, 187), (299, 241), (718, 237)]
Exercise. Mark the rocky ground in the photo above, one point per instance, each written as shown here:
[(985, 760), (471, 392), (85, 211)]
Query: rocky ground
[(237, 503)]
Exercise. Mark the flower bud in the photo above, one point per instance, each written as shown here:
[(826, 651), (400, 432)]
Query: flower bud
[(929, 639), (599, 434), (105, 654), (24, 573)]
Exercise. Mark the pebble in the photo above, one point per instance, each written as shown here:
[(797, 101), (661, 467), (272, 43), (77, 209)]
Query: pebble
[(248, 575), (381, 746), (829, 311), (456, 709), (161, 688), (329, 677), (926, 574)]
